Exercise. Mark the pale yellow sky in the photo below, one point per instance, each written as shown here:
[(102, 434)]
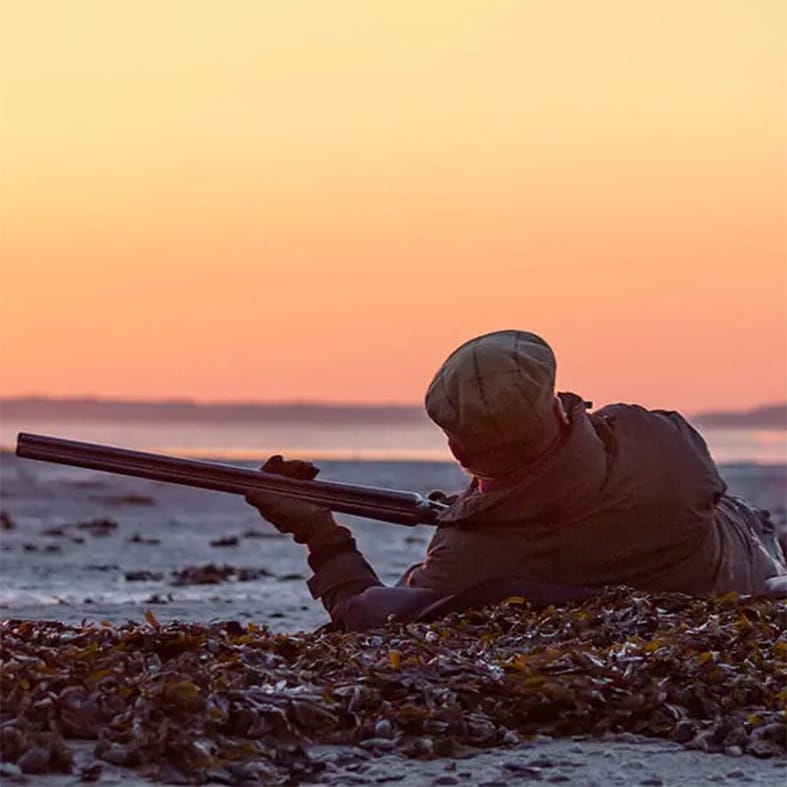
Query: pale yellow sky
[(318, 200)]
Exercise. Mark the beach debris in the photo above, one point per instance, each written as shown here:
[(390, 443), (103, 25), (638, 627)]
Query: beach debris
[(6, 523), (54, 531), (262, 534), (212, 574), (228, 702), (157, 598), (143, 576), (225, 541), (124, 500), (98, 527), (140, 539), (92, 772), (152, 620)]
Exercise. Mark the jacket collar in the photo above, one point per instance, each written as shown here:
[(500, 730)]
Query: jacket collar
[(569, 473)]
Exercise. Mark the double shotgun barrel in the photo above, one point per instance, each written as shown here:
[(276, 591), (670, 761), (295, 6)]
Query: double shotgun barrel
[(387, 505)]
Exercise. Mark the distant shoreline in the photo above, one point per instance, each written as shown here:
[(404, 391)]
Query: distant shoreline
[(768, 417), (84, 409), (242, 457)]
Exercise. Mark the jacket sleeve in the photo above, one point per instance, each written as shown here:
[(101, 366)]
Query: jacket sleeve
[(354, 597), (357, 600)]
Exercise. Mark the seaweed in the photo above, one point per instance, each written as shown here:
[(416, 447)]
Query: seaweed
[(124, 500), (229, 702), (225, 541), (98, 528), (212, 574)]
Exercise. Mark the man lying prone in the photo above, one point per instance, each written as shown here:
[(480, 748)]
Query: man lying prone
[(563, 501)]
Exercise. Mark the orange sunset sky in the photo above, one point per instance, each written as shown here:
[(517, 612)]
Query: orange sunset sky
[(318, 200)]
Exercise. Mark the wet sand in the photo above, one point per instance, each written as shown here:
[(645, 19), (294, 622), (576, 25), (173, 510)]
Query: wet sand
[(578, 763)]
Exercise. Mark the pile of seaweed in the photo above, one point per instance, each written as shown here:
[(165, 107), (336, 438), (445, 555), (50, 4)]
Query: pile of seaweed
[(231, 702)]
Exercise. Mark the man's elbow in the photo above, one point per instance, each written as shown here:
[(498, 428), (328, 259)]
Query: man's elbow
[(358, 613), (377, 606)]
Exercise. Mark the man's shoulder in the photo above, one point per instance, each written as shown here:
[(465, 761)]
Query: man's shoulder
[(636, 413), (667, 431), (623, 412)]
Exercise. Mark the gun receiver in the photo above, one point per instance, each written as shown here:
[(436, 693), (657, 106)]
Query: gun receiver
[(387, 505)]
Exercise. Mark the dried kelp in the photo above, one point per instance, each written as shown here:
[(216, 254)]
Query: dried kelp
[(140, 539), (124, 500), (94, 527), (225, 541), (143, 576), (212, 574), (98, 527), (230, 702)]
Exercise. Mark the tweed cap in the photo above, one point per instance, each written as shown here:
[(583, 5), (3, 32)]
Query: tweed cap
[(496, 393)]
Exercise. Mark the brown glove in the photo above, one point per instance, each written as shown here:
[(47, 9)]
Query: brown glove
[(438, 496), (306, 522)]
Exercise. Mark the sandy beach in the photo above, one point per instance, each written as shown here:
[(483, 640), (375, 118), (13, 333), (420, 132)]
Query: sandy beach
[(79, 545), (88, 545), (581, 763)]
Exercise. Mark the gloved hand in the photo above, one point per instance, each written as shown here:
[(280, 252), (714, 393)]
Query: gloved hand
[(308, 523), (438, 496)]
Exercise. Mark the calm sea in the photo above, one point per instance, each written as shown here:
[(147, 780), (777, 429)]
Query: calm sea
[(335, 441)]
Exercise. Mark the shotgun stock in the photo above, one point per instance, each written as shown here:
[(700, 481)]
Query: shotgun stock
[(387, 505)]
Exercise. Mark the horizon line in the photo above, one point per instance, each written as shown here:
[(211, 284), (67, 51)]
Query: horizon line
[(282, 403), (206, 402)]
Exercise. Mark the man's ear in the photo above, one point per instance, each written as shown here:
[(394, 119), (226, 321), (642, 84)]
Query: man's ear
[(456, 450)]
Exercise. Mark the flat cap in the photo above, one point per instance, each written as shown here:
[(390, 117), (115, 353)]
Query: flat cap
[(496, 392)]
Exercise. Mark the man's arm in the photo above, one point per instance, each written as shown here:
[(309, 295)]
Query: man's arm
[(343, 580), (354, 597)]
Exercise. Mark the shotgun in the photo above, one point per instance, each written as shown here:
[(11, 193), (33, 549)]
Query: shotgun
[(387, 505)]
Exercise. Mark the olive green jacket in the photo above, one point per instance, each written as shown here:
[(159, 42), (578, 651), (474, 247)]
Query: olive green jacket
[(630, 496)]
